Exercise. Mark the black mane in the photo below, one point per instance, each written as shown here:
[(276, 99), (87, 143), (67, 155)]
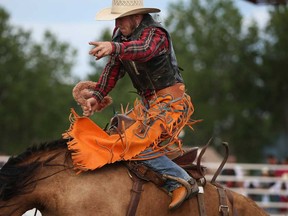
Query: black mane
[(16, 176)]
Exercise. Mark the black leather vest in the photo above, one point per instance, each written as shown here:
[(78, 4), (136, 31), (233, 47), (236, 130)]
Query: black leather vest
[(157, 73)]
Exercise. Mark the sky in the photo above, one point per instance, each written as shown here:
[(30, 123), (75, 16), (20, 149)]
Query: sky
[(73, 21)]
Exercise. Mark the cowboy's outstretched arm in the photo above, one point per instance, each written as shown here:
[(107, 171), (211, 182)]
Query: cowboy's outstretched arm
[(152, 42), (101, 49)]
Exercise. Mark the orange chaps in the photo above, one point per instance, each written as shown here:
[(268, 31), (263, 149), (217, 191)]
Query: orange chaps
[(157, 127)]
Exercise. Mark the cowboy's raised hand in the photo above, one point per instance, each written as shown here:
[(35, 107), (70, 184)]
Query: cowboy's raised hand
[(101, 49), (90, 107)]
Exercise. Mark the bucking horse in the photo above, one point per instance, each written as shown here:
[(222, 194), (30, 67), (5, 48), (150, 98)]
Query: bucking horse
[(43, 177)]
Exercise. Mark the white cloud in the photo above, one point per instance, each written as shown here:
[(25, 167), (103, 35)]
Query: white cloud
[(250, 12), (261, 16)]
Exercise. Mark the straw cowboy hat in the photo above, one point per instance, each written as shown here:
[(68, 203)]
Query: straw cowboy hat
[(121, 8)]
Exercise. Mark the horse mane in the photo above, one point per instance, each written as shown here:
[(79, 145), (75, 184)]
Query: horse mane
[(16, 176)]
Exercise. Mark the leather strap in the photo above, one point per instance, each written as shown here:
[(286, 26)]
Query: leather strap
[(135, 195), (144, 173), (223, 207), (231, 200), (218, 171), (223, 193), (35, 213), (201, 203)]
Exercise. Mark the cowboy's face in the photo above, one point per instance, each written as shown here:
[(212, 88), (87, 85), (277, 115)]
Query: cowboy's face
[(127, 24)]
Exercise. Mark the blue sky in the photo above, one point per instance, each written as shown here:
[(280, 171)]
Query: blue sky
[(73, 20)]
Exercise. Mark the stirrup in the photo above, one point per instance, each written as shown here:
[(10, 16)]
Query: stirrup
[(189, 185)]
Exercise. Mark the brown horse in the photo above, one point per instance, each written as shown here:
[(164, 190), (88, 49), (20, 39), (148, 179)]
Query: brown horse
[(43, 177)]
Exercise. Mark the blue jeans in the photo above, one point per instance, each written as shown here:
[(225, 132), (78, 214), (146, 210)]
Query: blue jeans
[(164, 165)]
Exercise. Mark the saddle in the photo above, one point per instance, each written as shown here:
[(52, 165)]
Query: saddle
[(141, 174), (119, 123)]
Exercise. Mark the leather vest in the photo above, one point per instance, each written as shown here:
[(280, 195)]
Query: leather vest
[(159, 72)]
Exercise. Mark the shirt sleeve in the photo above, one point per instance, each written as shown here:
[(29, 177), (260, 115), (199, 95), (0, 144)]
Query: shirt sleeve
[(108, 78), (152, 42)]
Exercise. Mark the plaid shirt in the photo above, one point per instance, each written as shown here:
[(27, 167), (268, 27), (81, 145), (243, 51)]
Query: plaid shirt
[(152, 42)]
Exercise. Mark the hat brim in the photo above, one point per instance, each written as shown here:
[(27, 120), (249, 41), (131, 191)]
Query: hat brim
[(106, 14)]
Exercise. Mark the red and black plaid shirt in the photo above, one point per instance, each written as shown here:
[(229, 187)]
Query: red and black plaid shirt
[(152, 42)]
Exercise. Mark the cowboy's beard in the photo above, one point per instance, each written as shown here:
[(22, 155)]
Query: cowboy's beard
[(127, 30)]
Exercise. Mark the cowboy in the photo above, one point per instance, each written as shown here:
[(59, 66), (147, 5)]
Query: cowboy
[(143, 49)]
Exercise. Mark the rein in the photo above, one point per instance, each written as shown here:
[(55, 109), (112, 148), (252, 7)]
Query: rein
[(35, 213)]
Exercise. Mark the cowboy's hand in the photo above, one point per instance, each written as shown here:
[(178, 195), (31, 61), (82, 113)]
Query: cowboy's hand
[(86, 93), (90, 107), (101, 49), (82, 91), (82, 96)]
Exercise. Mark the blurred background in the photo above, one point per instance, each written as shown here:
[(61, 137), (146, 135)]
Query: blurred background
[(234, 54)]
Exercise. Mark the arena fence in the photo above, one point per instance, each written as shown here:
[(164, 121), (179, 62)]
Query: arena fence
[(266, 184)]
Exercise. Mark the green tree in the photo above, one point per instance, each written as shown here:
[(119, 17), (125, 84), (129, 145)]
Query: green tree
[(221, 72), (35, 94), (274, 75)]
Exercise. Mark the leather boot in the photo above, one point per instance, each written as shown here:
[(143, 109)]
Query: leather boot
[(178, 197)]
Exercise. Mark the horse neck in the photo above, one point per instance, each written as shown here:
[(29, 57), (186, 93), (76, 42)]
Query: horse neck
[(30, 187), (105, 191)]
